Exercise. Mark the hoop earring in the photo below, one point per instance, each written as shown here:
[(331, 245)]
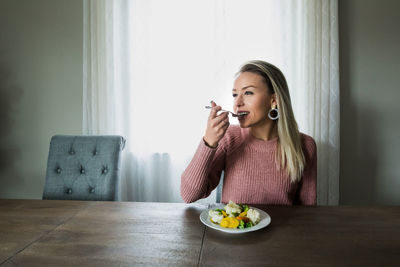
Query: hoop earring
[(273, 113)]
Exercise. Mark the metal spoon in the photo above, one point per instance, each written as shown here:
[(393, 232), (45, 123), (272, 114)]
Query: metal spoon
[(233, 114)]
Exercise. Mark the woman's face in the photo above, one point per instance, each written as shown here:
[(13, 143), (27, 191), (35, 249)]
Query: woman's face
[(251, 95)]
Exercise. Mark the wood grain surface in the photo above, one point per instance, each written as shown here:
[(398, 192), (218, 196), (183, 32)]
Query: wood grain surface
[(23, 222), (114, 233), (312, 236), (79, 233)]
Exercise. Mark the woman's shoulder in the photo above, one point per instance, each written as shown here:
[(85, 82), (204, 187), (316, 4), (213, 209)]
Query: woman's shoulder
[(308, 144)]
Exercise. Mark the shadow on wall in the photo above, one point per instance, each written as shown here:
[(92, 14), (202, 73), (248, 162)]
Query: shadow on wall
[(359, 156), (358, 141), (10, 95)]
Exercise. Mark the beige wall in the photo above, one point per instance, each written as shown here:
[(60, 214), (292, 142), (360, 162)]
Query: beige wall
[(370, 94), (40, 87), (41, 94)]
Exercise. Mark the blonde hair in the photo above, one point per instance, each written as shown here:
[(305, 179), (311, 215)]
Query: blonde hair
[(290, 154)]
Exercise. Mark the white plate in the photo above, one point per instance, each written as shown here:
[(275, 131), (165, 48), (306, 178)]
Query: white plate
[(265, 220)]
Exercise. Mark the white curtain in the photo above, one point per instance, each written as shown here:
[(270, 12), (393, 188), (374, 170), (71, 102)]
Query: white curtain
[(150, 67)]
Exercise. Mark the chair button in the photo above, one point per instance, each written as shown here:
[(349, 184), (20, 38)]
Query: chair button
[(82, 171), (58, 170), (104, 170), (69, 191), (91, 190), (72, 152), (95, 153)]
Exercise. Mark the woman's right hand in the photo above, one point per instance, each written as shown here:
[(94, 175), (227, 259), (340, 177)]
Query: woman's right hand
[(216, 126)]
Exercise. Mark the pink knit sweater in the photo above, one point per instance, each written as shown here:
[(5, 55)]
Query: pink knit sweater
[(251, 175)]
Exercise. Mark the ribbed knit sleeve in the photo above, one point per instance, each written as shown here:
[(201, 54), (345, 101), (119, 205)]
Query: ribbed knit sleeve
[(307, 190), (203, 173)]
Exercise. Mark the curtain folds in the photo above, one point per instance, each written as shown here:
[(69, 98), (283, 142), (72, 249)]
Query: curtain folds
[(148, 74)]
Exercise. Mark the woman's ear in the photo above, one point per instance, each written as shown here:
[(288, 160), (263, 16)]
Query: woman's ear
[(274, 102)]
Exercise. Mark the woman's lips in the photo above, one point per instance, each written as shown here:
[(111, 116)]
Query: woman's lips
[(242, 114)]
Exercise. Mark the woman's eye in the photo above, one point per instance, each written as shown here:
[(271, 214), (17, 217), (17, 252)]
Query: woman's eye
[(234, 95), (248, 93)]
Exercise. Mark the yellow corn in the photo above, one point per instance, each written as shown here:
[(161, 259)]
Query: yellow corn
[(243, 214)]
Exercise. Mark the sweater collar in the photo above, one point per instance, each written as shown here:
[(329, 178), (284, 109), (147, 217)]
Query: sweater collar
[(258, 144)]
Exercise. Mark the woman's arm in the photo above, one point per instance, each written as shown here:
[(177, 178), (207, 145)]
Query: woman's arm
[(203, 173)]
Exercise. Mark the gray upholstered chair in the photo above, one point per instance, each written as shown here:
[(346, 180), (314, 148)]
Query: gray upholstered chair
[(84, 167)]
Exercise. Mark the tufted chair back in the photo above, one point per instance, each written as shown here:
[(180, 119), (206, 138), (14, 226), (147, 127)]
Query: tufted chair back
[(83, 167)]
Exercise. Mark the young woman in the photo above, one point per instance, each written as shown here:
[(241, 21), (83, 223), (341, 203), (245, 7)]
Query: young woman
[(266, 160)]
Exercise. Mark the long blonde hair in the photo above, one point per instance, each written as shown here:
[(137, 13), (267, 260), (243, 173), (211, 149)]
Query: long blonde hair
[(290, 154)]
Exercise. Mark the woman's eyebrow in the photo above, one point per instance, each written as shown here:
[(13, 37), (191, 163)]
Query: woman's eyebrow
[(244, 88)]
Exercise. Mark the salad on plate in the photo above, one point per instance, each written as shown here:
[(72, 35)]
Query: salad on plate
[(235, 216)]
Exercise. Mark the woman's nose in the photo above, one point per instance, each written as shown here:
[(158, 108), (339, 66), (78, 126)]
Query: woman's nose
[(238, 101)]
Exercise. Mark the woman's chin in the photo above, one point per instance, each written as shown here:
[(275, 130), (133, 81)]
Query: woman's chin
[(242, 124)]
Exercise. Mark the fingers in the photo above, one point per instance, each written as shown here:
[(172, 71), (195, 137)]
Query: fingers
[(224, 123), (215, 122), (221, 128), (216, 126), (214, 110), (219, 124)]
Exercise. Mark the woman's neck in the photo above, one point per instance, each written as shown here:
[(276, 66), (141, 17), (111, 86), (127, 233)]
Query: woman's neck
[(265, 132)]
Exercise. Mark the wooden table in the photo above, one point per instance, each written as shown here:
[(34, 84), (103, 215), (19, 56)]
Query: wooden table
[(79, 233)]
